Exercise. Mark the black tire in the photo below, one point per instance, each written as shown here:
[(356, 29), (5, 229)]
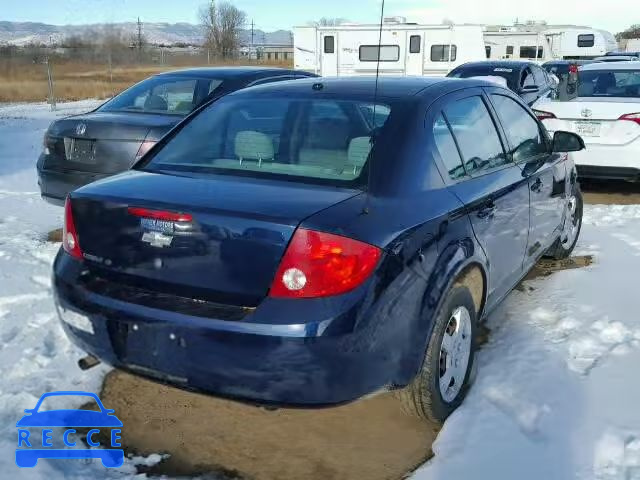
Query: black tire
[(422, 397), (559, 250)]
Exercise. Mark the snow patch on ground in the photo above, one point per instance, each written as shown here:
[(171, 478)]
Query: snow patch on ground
[(35, 355), (557, 391)]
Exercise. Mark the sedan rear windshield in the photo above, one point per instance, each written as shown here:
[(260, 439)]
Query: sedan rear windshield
[(609, 83), (163, 94), (324, 140)]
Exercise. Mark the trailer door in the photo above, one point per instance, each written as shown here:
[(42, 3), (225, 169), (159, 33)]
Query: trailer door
[(415, 53), (329, 54)]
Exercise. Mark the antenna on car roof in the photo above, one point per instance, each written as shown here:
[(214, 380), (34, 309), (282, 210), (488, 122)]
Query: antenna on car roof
[(374, 131)]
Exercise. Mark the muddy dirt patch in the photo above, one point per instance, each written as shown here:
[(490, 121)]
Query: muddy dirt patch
[(369, 439)]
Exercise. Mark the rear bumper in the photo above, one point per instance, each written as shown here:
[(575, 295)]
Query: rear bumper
[(285, 352), (55, 185), (608, 161), (608, 173)]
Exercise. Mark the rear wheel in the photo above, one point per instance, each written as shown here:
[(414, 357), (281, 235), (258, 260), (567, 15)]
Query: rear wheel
[(442, 382), (564, 245)]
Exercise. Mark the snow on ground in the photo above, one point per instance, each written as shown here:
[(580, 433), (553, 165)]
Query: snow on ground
[(557, 392), (35, 355)]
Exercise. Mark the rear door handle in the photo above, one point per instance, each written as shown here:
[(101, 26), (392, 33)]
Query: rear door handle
[(487, 210), (537, 185)]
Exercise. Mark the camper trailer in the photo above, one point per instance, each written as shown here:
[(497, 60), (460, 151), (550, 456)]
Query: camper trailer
[(402, 48), (548, 43)]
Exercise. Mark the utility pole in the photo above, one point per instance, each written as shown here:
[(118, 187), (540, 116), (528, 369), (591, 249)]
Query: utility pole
[(252, 25), (139, 39)]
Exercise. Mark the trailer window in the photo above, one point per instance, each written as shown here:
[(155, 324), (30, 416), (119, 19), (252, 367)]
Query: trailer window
[(414, 43), (586, 40), (387, 53), (329, 44), (509, 50), (487, 51), (530, 52), (440, 53)]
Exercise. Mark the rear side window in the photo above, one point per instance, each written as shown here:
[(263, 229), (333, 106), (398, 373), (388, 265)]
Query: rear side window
[(414, 43), (440, 53), (521, 129), (387, 53), (329, 44), (476, 135), (446, 146), (586, 40)]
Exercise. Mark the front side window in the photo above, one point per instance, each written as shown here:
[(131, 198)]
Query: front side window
[(476, 135), (329, 44), (299, 138), (162, 94), (414, 43), (609, 83), (387, 53), (446, 146), (521, 129), (586, 40), (440, 53)]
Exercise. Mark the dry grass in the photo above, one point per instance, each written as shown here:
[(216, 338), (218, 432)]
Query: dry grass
[(77, 81)]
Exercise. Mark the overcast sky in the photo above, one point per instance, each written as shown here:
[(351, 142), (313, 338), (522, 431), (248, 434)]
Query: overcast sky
[(275, 14)]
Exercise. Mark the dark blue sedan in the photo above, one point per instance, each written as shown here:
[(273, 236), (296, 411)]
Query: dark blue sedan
[(312, 242)]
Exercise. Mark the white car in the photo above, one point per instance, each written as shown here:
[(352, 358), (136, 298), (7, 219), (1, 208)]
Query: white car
[(606, 114)]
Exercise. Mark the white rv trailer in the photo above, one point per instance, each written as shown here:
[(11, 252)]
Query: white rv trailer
[(405, 48), (552, 43)]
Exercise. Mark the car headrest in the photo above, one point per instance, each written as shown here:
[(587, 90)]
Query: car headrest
[(251, 145), (586, 89), (155, 102), (358, 152)]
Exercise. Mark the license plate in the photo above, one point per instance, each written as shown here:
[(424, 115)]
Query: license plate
[(76, 320), (78, 150), (587, 129)]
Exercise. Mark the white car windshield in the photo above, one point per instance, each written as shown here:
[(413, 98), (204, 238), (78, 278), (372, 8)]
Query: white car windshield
[(609, 83)]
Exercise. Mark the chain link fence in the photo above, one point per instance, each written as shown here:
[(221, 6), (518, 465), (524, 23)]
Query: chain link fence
[(52, 74)]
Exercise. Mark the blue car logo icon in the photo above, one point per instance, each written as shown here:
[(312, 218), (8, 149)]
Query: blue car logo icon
[(31, 447)]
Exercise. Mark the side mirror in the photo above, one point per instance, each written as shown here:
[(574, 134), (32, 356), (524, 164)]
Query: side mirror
[(564, 142), (530, 89)]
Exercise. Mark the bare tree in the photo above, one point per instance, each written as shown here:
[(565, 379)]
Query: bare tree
[(222, 23)]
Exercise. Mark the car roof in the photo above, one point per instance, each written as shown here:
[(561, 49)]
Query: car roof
[(634, 65), (388, 87), (232, 72), (615, 57), (515, 64)]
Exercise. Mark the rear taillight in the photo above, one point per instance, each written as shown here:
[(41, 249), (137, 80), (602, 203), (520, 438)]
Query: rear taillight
[(144, 148), (318, 264), (69, 234), (573, 68), (543, 115), (632, 117)]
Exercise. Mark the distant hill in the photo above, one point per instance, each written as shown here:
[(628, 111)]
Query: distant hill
[(23, 33)]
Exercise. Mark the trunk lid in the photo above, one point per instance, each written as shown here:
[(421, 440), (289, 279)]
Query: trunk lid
[(227, 253), (103, 142), (595, 119)]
